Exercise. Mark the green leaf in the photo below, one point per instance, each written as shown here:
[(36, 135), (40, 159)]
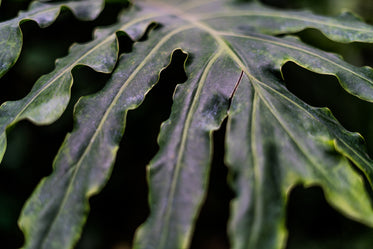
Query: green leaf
[(54, 219), (274, 140), (256, 18), (50, 95), (44, 14), (290, 143), (179, 173)]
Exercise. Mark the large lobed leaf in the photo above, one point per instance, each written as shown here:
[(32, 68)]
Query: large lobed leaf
[(274, 140)]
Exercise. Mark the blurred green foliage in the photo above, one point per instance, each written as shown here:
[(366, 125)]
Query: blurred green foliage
[(311, 222)]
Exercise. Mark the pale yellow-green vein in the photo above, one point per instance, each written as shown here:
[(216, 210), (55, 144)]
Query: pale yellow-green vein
[(181, 151), (257, 222)]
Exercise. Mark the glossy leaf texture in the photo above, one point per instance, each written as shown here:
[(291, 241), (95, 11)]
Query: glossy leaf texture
[(274, 140)]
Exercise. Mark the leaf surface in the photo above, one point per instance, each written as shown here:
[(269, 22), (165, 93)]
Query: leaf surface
[(290, 143), (274, 140), (178, 175), (53, 218), (44, 14), (50, 95)]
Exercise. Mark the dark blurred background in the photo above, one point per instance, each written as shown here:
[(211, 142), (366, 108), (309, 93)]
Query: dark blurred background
[(122, 206)]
